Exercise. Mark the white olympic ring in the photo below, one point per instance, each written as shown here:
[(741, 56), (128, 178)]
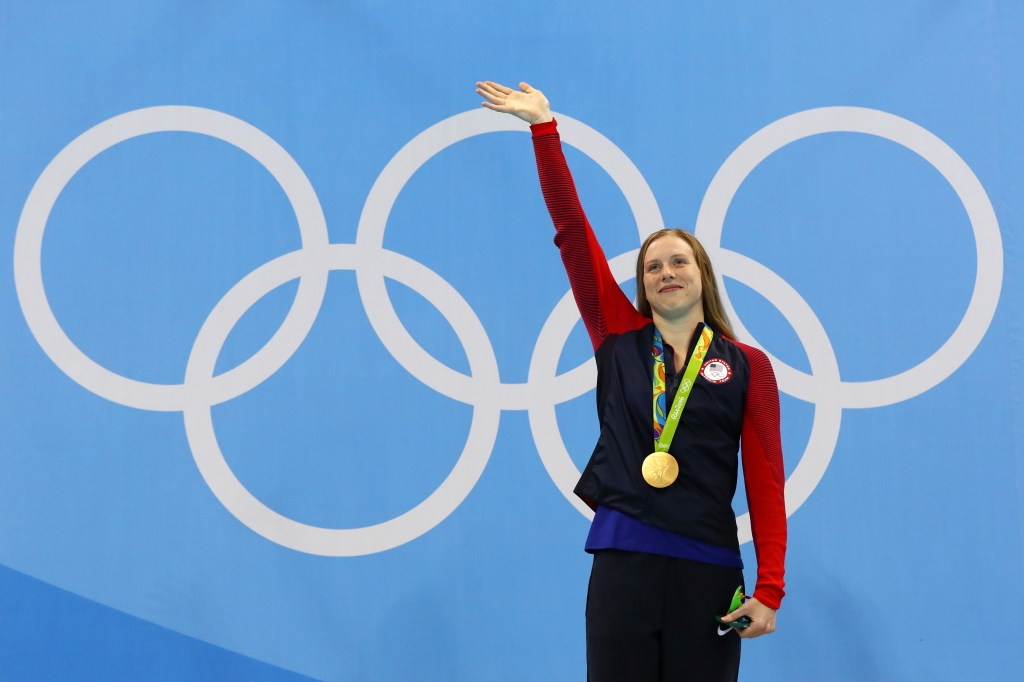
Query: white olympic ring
[(823, 386), (483, 388)]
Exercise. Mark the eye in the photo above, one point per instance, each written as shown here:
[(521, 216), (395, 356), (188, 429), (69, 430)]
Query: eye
[(652, 267)]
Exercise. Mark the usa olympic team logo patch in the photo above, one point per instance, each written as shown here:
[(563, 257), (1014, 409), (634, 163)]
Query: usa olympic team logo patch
[(716, 370)]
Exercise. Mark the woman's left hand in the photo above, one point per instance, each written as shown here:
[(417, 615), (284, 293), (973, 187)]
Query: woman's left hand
[(762, 619)]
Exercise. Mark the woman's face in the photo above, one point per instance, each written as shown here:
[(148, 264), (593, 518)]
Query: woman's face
[(671, 277)]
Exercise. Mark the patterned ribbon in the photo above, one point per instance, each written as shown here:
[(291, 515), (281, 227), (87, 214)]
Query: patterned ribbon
[(665, 423)]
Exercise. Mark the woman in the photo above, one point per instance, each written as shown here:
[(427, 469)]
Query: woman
[(666, 554)]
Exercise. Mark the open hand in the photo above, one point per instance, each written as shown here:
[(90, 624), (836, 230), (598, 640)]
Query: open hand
[(529, 104), (762, 619)]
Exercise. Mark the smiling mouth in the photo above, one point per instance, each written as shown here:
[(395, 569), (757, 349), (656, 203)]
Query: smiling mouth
[(670, 287)]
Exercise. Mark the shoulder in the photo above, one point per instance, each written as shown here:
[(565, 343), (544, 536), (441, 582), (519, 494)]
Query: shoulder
[(757, 360), (636, 339), (755, 356)]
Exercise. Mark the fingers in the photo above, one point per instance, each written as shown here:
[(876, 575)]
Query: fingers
[(485, 90), (487, 86), (493, 99), (762, 619), (497, 87), (528, 105), (743, 610), (756, 629), (750, 632), (503, 107)]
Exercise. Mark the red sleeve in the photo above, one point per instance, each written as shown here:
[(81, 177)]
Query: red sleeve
[(603, 306), (765, 477)]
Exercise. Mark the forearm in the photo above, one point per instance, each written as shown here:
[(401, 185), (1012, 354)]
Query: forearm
[(768, 523), (764, 476), (556, 182), (604, 308), (571, 227)]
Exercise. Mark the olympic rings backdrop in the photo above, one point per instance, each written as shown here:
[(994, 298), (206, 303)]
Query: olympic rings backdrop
[(293, 386)]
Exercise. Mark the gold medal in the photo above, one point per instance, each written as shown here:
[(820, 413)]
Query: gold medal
[(660, 469)]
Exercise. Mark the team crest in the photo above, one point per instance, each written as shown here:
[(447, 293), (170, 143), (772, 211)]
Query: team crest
[(716, 370)]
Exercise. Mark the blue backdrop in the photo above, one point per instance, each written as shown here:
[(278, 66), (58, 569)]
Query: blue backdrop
[(249, 433)]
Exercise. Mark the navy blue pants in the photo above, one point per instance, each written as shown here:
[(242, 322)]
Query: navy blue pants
[(651, 618)]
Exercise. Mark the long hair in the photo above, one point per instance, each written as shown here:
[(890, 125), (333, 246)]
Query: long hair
[(714, 311)]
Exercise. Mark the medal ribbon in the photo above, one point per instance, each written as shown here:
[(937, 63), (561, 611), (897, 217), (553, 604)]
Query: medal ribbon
[(665, 424)]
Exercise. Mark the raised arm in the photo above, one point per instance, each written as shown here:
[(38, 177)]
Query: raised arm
[(603, 306)]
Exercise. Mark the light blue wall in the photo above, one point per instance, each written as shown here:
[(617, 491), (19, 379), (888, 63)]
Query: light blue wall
[(906, 556)]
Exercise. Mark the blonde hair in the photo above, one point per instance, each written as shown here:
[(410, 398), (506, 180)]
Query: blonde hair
[(714, 311)]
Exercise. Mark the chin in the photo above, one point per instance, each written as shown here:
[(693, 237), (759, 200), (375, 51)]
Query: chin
[(674, 309)]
